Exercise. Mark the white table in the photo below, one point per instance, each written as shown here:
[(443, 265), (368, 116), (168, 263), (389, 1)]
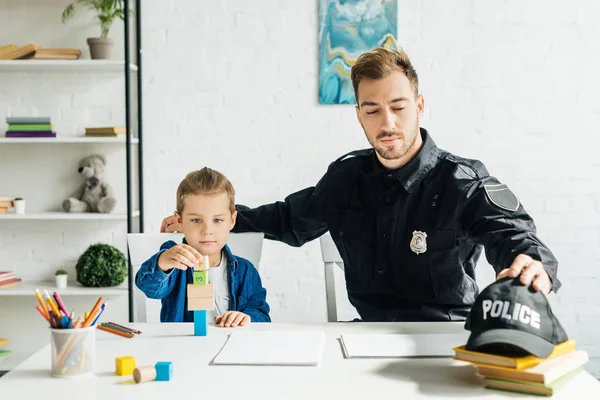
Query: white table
[(195, 377)]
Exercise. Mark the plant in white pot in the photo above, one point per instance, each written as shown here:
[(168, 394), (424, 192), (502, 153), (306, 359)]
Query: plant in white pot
[(61, 279), (107, 11)]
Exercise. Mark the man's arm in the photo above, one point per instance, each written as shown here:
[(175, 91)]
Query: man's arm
[(300, 218), (493, 216)]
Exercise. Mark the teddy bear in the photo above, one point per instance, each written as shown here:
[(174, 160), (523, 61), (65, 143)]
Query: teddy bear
[(96, 195)]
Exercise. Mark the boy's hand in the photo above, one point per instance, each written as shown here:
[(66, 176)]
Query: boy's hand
[(232, 319), (170, 224), (182, 256)]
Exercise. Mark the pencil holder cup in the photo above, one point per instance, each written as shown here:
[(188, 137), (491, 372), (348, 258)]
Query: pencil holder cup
[(73, 352)]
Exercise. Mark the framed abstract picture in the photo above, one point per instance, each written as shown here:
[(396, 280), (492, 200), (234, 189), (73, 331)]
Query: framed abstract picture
[(348, 28)]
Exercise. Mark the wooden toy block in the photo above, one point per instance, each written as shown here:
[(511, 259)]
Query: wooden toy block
[(203, 266), (200, 323), (201, 303), (200, 290), (144, 374), (3, 342), (124, 365), (200, 277), (164, 370)]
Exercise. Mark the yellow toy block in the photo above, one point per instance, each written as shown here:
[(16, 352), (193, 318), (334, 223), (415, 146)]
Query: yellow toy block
[(125, 365), (3, 342), (200, 290)]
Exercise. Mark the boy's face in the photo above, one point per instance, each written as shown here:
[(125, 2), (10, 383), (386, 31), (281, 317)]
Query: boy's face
[(206, 221)]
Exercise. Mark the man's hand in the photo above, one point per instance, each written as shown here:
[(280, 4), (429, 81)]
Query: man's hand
[(232, 319), (530, 270), (182, 256), (170, 224)]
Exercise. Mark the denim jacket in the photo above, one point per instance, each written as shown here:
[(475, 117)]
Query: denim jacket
[(246, 293)]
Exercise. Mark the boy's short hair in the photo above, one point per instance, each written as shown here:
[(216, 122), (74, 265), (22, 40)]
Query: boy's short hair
[(205, 181), (379, 63)]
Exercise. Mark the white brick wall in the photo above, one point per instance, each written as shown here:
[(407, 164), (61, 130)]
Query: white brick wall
[(233, 85)]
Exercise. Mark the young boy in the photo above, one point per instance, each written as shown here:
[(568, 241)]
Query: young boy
[(206, 210)]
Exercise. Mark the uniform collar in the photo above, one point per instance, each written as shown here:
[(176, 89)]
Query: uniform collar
[(413, 172)]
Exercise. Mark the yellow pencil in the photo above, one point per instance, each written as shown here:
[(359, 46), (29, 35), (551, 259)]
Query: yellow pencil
[(42, 303)]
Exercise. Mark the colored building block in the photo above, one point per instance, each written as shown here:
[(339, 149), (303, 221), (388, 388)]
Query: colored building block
[(201, 303), (164, 370), (3, 342), (200, 277), (200, 323), (144, 374), (124, 365), (200, 290)]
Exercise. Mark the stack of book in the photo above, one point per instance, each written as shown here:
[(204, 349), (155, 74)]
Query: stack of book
[(8, 279), (110, 131), (29, 127), (6, 203), (32, 51), (527, 373)]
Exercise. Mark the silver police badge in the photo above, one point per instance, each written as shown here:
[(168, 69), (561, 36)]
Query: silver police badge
[(418, 243)]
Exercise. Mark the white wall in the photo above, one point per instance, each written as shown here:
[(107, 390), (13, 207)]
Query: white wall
[(233, 85), (46, 174)]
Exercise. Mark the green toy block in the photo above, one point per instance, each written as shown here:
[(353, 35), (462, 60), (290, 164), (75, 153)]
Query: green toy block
[(200, 277)]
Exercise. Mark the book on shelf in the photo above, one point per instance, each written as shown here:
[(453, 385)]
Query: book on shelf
[(4, 210), (19, 52), (54, 54), (545, 372), (516, 362), (28, 120), (531, 387), (7, 49), (105, 131), (29, 127), (30, 134)]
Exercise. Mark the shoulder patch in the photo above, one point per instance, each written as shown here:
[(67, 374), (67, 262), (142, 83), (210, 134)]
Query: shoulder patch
[(501, 196)]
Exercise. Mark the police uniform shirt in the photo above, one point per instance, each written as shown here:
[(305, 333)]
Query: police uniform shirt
[(410, 238)]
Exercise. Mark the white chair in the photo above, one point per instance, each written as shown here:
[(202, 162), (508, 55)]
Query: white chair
[(335, 284), (143, 245)]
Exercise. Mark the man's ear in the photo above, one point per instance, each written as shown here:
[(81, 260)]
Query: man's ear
[(420, 106), (233, 219), (358, 114)]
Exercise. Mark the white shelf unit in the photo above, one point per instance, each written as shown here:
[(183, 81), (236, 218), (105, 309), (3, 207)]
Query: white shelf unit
[(27, 288), (86, 66), (60, 215), (67, 140)]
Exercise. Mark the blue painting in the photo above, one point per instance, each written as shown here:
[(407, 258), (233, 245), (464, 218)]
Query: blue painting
[(348, 28)]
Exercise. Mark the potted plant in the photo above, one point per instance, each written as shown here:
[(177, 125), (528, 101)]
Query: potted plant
[(101, 265), (107, 11), (61, 278)]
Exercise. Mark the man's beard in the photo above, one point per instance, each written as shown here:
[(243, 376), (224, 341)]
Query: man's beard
[(388, 153)]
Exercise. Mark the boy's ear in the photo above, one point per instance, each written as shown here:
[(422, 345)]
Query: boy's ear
[(177, 216), (233, 219)]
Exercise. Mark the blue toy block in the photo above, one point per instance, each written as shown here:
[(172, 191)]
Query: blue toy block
[(200, 323), (164, 370)]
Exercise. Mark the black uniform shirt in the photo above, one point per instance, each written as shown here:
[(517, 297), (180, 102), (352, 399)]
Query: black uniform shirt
[(410, 238)]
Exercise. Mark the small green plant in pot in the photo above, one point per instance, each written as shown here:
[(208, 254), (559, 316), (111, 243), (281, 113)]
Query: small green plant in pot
[(61, 276), (101, 265), (106, 11)]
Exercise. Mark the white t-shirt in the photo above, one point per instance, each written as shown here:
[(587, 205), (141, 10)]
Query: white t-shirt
[(218, 277)]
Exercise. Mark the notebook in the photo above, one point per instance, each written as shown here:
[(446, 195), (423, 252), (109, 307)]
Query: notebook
[(530, 387), (520, 362), (304, 348), (545, 372), (401, 345)]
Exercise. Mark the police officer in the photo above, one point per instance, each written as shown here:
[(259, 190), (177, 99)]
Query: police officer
[(408, 218)]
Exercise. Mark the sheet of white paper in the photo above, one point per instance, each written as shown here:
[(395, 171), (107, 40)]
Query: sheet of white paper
[(272, 348), (401, 345)]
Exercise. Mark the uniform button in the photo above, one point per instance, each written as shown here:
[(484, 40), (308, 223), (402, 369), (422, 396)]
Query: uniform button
[(389, 175), (380, 272), (433, 204), (341, 233), (435, 196), (388, 200), (384, 235)]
